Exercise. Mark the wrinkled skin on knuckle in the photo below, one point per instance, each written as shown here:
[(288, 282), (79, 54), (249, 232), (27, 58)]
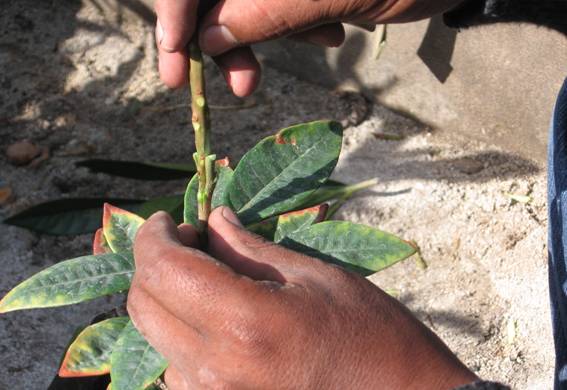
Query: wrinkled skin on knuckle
[(213, 378), (158, 268), (249, 334), (251, 343)]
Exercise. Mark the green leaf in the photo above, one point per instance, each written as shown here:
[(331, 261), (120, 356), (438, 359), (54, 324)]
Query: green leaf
[(173, 205), (120, 228), (295, 221), (68, 216), (89, 354), (152, 386), (356, 247), (82, 216), (134, 363), (224, 176), (191, 212), (139, 170), (72, 281), (282, 171)]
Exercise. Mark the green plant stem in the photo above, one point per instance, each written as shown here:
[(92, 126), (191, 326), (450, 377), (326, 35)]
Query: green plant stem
[(347, 193), (201, 124), (353, 188)]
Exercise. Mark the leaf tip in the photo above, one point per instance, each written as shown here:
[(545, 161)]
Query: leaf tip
[(100, 246), (106, 214), (6, 305), (65, 371), (3, 308), (110, 210)]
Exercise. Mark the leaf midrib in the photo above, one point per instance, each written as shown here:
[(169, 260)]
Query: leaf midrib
[(344, 250), (251, 201), (79, 280), (141, 360)]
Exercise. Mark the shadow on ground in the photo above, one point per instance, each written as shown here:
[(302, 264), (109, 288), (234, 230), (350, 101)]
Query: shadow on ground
[(79, 78)]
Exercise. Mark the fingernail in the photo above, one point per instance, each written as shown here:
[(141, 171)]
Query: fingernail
[(159, 33), (160, 36), (228, 79), (229, 215), (217, 39)]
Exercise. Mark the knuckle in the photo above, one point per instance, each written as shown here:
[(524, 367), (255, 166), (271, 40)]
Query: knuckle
[(250, 334), (157, 268), (258, 333), (208, 377)]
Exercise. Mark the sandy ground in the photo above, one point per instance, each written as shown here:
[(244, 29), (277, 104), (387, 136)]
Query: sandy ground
[(80, 79)]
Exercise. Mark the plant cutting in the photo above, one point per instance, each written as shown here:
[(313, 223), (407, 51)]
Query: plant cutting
[(279, 189)]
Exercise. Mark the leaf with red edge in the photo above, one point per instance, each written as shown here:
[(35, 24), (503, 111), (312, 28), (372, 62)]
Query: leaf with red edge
[(295, 221), (120, 228), (89, 354), (100, 245), (281, 172)]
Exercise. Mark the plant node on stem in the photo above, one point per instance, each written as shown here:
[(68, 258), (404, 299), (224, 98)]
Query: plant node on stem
[(204, 161)]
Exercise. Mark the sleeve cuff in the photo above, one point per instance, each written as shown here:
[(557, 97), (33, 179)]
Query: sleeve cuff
[(548, 13)]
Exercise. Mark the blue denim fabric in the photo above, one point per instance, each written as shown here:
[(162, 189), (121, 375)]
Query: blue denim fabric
[(557, 209)]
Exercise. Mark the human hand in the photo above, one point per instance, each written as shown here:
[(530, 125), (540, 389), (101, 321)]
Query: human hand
[(253, 314), (232, 26)]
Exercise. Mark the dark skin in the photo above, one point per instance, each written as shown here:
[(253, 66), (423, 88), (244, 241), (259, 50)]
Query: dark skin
[(233, 25), (249, 314)]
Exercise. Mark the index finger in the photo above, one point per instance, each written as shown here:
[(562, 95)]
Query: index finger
[(176, 23), (187, 282)]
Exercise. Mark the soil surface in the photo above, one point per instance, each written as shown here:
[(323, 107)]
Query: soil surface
[(79, 79)]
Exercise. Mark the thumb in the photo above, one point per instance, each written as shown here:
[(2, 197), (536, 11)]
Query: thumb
[(234, 23), (251, 255)]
